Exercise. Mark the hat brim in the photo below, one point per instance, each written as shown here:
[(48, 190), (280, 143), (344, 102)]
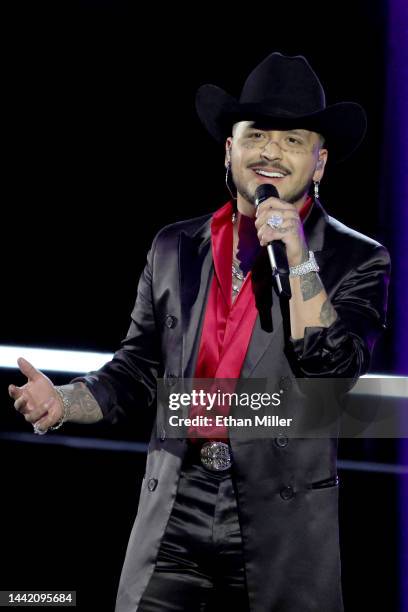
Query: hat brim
[(343, 125)]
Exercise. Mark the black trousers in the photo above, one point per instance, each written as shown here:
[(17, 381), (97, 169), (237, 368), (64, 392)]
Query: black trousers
[(200, 564)]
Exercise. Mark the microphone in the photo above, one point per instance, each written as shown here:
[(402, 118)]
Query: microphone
[(276, 249)]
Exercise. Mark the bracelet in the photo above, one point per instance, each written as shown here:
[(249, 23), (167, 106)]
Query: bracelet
[(66, 405), (304, 268)]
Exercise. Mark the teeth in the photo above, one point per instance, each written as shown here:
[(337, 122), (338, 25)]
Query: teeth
[(270, 174)]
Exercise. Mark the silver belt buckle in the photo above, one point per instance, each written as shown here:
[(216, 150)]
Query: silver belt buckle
[(216, 456)]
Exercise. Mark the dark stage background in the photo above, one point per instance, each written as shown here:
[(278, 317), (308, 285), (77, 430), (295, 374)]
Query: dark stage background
[(101, 148)]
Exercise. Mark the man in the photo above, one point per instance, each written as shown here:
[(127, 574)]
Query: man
[(250, 523)]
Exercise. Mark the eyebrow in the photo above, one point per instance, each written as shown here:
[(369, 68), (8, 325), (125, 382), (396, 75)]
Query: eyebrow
[(298, 131)]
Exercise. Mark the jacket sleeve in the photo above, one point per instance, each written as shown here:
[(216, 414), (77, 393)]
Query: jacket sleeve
[(129, 379), (344, 348)]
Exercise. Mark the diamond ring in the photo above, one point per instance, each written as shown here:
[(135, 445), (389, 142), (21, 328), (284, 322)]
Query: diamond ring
[(275, 221), (39, 431)]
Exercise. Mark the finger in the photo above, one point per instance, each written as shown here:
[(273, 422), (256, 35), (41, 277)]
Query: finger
[(40, 426), (33, 416), (268, 212), (265, 210), (267, 228), (51, 417), (267, 234), (267, 204), (20, 404), (286, 214), (15, 392), (28, 369), (274, 233), (274, 203), (49, 413)]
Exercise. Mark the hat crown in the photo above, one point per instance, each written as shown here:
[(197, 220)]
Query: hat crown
[(284, 93), (286, 83)]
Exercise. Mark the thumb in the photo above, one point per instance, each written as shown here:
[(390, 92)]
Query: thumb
[(28, 369)]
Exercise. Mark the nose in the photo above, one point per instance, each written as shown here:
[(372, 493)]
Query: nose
[(271, 150)]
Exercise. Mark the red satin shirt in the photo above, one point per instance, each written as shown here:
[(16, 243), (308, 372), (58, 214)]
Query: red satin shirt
[(228, 325)]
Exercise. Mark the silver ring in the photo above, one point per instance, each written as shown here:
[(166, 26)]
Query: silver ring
[(39, 431), (275, 221)]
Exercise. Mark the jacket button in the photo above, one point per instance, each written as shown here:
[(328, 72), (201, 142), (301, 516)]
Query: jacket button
[(285, 383), (287, 493), (171, 380), (281, 441), (170, 321), (152, 484)]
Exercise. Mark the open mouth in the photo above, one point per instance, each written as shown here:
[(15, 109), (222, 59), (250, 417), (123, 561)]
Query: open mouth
[(270, 174)]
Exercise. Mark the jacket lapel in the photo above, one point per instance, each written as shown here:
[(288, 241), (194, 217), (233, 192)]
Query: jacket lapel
[(196, 272), (315, 230)]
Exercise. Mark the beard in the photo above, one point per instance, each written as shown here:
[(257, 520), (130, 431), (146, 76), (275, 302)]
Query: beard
[(242, 190), (295, 195)]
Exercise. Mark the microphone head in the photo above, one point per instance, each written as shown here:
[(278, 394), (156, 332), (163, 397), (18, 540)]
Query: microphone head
[(265, 191)]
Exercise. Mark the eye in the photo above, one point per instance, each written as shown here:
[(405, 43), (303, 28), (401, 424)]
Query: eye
[(293, 140), (256, 135)]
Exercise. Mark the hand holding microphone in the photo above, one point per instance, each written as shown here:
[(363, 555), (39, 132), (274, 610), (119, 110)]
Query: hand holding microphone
[(280, 230)]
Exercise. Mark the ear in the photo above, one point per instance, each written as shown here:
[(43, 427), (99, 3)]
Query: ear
[(320, 165), (228, 145)]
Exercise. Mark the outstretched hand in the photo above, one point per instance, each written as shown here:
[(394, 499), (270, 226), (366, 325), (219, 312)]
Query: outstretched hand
[(37, 400)]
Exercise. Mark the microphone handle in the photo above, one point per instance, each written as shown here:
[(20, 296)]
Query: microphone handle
[(277, 257), (276, 249), (279, 265), (274, 267)]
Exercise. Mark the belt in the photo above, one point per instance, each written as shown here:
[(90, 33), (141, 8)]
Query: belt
[(213, 455)]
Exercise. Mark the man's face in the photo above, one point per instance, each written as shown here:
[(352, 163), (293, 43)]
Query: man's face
[(290, 160)]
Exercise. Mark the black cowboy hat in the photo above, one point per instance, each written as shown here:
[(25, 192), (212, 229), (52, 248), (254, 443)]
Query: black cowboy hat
[(286, 93)]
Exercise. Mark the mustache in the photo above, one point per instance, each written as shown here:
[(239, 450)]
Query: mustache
[(275, 166)]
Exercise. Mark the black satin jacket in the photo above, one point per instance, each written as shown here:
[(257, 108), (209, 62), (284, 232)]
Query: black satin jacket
[(289, 523)]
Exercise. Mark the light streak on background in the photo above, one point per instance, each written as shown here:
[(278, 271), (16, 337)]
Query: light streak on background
[(53, 360)]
